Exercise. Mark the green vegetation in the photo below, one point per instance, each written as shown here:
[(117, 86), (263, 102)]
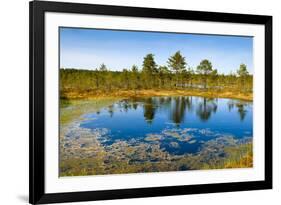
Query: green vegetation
[(232, 156), (76, 108), (236, 157), (154, 80)]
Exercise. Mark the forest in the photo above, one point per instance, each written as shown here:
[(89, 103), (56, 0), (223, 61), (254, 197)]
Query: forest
[(176, 75)]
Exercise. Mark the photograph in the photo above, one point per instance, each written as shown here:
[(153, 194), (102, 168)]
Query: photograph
[(151, 101), (133, 102)]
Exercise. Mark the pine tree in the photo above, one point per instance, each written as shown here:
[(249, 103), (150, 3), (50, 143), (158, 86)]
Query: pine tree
[(177, 63), (149, 68), (243, 74), (205, 68), (135, 77)]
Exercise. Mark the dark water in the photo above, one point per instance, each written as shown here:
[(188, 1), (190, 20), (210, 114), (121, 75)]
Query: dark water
[(179, 124)]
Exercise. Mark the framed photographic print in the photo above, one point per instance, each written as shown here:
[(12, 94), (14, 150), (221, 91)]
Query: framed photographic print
[(140, 102)]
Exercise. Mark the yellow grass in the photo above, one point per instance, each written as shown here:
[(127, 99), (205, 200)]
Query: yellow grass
[(73, 94)]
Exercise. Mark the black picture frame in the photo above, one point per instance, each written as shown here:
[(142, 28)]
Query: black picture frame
[(37, 193)]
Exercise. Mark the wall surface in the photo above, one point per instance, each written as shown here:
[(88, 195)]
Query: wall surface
[(14, 100)]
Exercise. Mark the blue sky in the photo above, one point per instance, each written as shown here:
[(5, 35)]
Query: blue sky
[(88, 48)]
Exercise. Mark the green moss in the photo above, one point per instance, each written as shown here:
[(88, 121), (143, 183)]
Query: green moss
[(71, 110)]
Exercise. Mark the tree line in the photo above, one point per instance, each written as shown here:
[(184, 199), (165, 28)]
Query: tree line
[(175, 75)]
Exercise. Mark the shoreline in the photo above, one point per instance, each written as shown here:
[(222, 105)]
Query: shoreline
[(93, 94)]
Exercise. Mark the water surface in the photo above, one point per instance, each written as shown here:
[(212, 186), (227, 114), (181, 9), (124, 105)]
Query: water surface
[(153, 134), (172, 119)]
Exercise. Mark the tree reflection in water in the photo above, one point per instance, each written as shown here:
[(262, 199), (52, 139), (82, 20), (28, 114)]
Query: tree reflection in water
[(178, 107), (205, 108), (178, 110), (241, 108), (110, 110), (149, 110)]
